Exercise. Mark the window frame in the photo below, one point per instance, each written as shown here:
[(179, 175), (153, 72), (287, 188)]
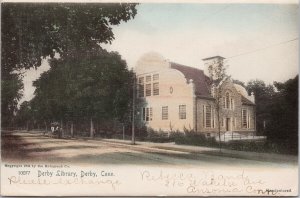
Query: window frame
[(182, 112), (164, 112)]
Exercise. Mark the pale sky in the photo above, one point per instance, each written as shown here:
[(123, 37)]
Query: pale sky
[(261, 39)]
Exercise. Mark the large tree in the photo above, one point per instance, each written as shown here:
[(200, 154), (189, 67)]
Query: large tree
[(33, 31), (95, 87), (283, 126), (263, 99), (217, 73)]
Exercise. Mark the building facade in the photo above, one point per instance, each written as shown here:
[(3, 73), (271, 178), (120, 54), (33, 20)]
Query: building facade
[(174, 97)]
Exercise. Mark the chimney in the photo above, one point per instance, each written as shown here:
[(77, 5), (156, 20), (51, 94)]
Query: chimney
[(211, 61)]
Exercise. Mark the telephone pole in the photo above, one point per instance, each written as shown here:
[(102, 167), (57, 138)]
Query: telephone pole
[(133, 110)]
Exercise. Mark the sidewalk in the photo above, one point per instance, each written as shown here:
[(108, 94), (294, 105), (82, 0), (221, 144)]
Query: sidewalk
[(273, 157)]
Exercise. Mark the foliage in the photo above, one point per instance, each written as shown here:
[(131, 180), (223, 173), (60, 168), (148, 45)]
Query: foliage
[(33, 31), (11, 93), (283, 125), (75, 89), (194, 138), (260, 147), (217, 74), (263, 98)]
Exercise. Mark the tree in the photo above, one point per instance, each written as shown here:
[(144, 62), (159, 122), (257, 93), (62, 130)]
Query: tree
[(33, 31), (263, 99), (217, 74), (94, 87), (283, 125), (11, 93)]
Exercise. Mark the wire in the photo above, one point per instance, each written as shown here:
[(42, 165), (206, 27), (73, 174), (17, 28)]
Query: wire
[(250, 52)]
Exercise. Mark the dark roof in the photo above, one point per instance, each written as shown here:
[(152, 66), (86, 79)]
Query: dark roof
[(213, 57), (199, 78), (245, 101)]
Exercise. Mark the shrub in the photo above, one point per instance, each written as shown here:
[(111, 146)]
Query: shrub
[(190, 137)]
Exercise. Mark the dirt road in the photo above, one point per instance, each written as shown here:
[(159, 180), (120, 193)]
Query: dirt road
[(34, 147)]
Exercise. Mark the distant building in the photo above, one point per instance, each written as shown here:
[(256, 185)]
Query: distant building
[(177, 97)]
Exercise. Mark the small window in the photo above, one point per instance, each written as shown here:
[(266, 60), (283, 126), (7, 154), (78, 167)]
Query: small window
[(148, 78), (164, 113), (155, 89), (155, 77), (182, 111), (148, 89)]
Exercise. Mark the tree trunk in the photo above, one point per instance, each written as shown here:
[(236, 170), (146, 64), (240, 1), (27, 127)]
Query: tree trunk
[(46, 129), (61, 129), (72, 129), (27, 126), (219, 127), (123, 128), (92, 129)]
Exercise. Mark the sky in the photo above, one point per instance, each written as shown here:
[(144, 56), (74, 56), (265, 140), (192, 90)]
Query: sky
[(259, 41)]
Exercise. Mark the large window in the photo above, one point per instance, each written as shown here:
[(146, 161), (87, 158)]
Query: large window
[(228, 102), (147, 114), (209, 117), (245, 119), (148, 78), (148, 89), (156, 89), (164, 113), (155, 77), (182, 111)]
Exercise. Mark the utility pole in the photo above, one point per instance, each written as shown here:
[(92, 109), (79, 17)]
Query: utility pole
[(133, 110)]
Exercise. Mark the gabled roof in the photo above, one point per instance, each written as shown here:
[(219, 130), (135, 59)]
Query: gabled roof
[(201, 82), (199, 78)]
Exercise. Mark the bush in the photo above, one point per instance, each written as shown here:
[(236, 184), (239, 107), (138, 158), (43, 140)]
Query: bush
[(160, 136), (190, 137)]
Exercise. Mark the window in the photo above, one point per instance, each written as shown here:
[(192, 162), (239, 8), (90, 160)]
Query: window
[(182, 111), (147, 114), (151, 113), (141, 80), (141, 90), (148, 78), (245, 119), (155, 77), (231, 103), (164, 113), (208, 116), (141, 87), (227, 101), (148, 89), (155, 89)]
